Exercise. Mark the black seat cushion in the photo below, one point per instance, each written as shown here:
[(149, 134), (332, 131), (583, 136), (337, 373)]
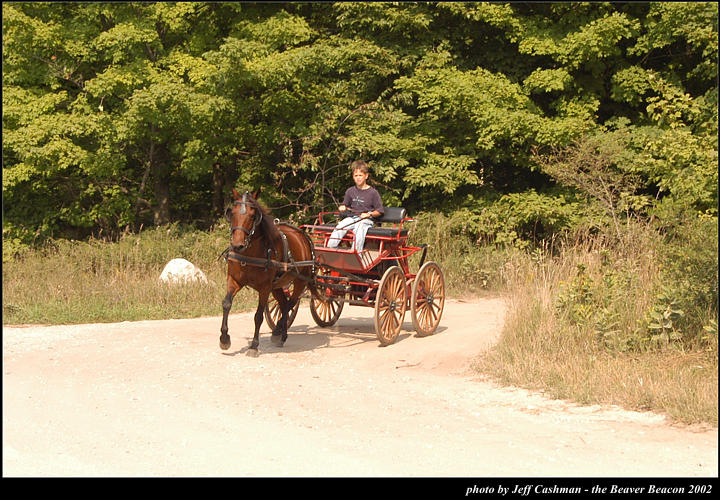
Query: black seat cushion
[(393, 215), (389, 232)]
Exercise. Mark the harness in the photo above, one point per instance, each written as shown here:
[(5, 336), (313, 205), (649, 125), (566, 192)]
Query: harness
[(286, 263)]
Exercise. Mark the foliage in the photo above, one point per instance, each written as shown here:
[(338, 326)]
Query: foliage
[(641, 292), (690, 268), (128, 115)]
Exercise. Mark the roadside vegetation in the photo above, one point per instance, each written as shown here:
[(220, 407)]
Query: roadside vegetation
[(616, 322), (70, 282)]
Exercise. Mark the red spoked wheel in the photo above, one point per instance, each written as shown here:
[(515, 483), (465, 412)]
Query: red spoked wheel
[(327, 311)]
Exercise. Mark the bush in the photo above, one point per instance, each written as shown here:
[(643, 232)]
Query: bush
[(521, 220), (599, 320), (690, 271), (643, 292), (468, 267)]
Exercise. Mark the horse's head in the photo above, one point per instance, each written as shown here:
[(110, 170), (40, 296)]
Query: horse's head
[(244, 217)]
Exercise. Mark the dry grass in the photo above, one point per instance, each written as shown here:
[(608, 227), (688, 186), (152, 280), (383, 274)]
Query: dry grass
[(98, 281), (547, 348)]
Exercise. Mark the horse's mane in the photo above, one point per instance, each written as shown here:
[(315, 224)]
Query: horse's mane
[(268, 229)]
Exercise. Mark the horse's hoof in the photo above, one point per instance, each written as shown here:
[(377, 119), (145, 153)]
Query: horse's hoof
[(277, 340), (225, 345), (253, 353)]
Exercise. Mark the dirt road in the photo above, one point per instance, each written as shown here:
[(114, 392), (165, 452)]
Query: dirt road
[(159, 398)]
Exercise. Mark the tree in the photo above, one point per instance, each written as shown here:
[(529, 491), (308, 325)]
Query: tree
[(120, 115)]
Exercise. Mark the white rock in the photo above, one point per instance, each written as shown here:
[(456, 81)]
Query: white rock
[(182, 271)]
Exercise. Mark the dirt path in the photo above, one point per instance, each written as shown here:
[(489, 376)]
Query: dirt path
[(159, 398)]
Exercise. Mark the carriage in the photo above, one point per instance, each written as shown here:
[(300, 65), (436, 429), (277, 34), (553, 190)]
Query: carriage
[(379, 276), (282, 261)]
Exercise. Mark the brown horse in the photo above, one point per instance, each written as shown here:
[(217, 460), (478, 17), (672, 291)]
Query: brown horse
[(267, 257)]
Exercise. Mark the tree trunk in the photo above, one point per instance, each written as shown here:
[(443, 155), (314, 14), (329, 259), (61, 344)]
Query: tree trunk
[(162, 195), (218, 186)]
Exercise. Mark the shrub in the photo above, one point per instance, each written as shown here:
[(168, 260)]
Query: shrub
[(690, 271)]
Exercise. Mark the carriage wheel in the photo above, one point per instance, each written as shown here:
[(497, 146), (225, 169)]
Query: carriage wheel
[(326, 312), (390, 305), (428, 298), (273, 312)]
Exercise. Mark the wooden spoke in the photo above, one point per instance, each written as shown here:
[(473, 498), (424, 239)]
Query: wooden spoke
[(428, 298), (390, 305), (273, 312), (326, 312)]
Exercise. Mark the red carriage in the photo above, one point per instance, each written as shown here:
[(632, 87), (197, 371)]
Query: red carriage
[(379, 276), (281, 261)]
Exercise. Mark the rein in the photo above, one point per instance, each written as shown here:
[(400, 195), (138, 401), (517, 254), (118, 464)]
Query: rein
[(287, 264), (231, 254)]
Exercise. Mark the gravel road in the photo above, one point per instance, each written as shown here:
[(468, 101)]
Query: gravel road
[(159, 398)]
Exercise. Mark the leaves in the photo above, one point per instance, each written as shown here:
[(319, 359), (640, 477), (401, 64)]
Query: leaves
[(111, 108)]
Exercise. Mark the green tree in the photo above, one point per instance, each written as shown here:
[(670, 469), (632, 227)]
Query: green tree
[(125, 114)]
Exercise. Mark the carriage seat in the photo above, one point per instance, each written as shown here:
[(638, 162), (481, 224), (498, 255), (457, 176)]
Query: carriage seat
[(393, 215)]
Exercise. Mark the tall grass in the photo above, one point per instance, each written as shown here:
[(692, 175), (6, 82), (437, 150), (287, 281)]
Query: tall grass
[(70, 282), (582, 325), (469, 269)]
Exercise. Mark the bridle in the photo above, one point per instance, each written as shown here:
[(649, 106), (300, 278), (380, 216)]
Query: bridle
[(286, 263), (256, 220)]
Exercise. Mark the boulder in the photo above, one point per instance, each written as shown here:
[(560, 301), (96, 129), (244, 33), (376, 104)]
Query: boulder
[(182, 271)]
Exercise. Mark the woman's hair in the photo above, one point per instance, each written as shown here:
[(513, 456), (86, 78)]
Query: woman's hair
[(359, 165)]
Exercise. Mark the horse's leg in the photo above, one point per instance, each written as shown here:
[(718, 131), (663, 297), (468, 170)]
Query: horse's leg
[(298, 289), (281, 325), (262, 303), (232, 289)]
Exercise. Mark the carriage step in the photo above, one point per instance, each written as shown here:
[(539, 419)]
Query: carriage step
[(356, 302)]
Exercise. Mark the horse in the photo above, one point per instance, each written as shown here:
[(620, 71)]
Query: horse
[(267, 256)]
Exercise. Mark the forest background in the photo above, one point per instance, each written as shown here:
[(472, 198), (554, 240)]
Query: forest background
[(566, 152)]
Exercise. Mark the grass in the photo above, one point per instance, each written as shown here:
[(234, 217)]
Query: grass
[(579, 324), (98, 281), (576, 332), (537, 352)]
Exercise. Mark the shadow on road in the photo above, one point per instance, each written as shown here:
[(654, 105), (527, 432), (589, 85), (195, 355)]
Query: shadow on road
[(347, 332)]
